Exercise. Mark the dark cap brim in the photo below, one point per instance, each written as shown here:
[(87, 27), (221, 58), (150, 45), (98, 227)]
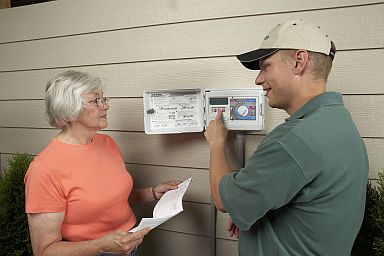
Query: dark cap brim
[(251, 59)]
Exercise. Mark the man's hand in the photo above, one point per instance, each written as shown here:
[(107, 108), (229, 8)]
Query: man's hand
[(216, 133), (232, 229)]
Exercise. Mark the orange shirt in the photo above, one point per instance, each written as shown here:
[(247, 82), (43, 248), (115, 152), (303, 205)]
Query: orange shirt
[(88, 182)]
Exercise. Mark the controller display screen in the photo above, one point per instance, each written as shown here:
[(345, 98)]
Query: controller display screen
[(243, 108)]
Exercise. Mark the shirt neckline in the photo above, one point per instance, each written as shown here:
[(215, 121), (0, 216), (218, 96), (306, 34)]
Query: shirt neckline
[(324, 99), (74, 146)]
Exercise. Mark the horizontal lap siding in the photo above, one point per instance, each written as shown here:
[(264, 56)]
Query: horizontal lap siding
[(3, 163), (67, 17), (350, 72), (180, 150), (147, 175), (161, 44), (127, 114), (195, 219), (166, 243), (215, 38)]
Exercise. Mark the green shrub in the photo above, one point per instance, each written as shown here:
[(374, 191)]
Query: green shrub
[(378, 217), (370, 240), (14, 234)]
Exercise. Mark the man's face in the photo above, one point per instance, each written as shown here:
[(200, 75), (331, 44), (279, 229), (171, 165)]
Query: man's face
[(276, 77)]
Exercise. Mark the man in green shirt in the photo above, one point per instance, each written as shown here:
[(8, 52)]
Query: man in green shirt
[(302, 192)]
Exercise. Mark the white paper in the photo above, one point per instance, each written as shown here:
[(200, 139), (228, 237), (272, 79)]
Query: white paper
[(170, 204), (175, 110)]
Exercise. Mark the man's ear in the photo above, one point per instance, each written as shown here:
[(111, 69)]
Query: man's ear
[(301, 61)]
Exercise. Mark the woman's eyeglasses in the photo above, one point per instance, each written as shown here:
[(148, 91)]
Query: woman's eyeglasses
[(100, 102)]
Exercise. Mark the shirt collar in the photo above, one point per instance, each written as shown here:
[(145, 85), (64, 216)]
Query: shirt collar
[(324, 99)]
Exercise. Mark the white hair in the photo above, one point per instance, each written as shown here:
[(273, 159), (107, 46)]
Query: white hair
[(63, 101)]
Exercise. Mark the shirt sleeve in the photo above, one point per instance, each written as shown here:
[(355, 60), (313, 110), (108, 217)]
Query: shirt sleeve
[(269, 180), (43, 193)]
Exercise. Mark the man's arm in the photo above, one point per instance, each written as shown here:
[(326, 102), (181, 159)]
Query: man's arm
[(216, 135)]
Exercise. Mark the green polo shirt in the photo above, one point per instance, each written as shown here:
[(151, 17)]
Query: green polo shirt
[(302, 192)]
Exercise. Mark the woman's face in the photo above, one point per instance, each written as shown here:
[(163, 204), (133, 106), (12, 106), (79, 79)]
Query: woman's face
[(94, 116)]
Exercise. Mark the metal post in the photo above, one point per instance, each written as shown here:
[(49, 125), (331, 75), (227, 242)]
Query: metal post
[(240, 158), (213, 228), (240, 147)]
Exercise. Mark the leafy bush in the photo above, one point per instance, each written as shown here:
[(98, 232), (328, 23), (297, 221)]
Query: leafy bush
[(370, 240), (378, 217), (14, 234)]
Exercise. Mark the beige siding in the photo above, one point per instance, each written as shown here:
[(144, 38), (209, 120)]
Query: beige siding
[(165, 243), (127, 114), (3, 163), (216, 38), (350, 72), (161, 44), (147, 175), (67, 17), (367, 112), (184, 150), (195, 219), (226, 247)]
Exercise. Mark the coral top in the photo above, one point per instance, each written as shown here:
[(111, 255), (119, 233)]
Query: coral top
[(88, 182)]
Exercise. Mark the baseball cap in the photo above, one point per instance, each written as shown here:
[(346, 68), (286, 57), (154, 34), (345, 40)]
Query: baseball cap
[(292, 34)]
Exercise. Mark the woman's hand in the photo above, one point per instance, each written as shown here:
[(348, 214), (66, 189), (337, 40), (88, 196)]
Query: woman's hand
[(232, 229), (159, 189), (121, 241), (148, 194)]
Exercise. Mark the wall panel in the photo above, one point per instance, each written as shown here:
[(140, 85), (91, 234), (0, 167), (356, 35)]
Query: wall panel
[(128, 115), (182, 150), (3, 163), (32, 141), (367, 113), (195, 219), (148, 175), (349, 75), (350, 71), (166, 243), (163, 150), (226, 247), (67, 17), (216, 38), (28, 113), (375, 149)]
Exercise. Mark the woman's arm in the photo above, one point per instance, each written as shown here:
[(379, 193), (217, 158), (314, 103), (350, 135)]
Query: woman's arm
[(140, 195), (46, 238)]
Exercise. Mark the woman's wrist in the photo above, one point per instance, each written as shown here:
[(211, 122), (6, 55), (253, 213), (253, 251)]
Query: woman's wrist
[(99, 245)]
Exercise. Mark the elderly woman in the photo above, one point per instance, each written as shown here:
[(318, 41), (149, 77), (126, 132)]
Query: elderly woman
[(77, 189)]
